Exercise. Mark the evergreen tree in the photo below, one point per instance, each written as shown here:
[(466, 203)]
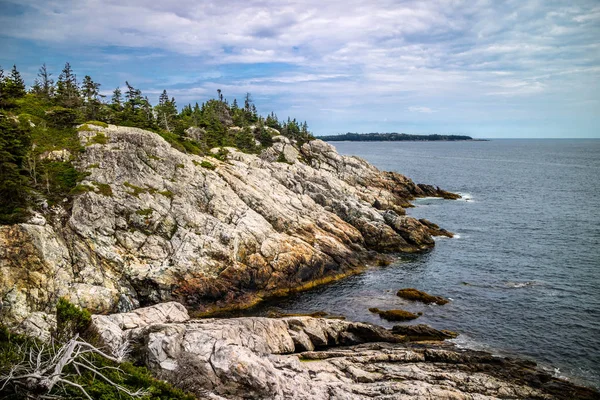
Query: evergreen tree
[(116, 100), (15, 142), (45, 84), (14, 86), (166, 111), (272, 121), (90, 91), (133, 97), (67, 91), (36, 89), (2, 85), (244, 140)]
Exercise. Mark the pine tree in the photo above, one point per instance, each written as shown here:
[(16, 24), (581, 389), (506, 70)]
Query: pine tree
[(45, 83), (14, 85), (166, 111), (36, 89), (90, 91), (14, 145), (67, 91), (117, 100), (133, 97), (2, 88)]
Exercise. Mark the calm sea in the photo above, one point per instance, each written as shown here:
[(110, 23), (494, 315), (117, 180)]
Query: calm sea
[(524, 269)]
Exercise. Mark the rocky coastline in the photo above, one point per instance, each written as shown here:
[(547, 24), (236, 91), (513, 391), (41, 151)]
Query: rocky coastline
[(153, 224), (302, 357), (156, 235)]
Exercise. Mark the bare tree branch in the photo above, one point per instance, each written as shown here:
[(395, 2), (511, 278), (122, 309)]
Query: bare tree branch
[(43, 368)]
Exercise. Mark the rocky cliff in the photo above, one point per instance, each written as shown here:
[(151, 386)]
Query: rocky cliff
[(153, 224)]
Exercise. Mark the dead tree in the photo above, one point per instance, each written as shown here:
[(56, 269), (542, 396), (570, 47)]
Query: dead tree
[(43, 368)]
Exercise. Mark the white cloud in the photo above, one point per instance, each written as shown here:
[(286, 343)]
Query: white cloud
[(419, 109), (342, 55)]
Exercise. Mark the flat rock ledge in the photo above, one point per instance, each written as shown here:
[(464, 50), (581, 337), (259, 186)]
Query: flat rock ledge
[(316, 358)]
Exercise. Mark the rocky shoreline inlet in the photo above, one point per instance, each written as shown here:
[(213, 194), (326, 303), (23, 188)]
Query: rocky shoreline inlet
[(157, 235)]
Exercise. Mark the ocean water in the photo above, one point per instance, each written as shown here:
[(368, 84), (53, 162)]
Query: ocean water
[(523, 271)]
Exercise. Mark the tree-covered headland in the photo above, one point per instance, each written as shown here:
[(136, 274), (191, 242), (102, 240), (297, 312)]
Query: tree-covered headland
[(44, 117), (391, 137)]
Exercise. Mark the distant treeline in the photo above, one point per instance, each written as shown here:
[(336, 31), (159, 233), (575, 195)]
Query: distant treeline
[(390, 137)]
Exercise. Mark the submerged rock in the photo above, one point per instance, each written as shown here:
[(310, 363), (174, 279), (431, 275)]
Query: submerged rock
[(423, 297), (161, 225), (315, 358), (394, 315)]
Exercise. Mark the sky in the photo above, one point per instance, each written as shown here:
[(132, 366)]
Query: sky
[(489, 69)]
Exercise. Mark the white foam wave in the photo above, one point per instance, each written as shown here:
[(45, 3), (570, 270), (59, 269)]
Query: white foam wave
[(517, 285), (466, 197)]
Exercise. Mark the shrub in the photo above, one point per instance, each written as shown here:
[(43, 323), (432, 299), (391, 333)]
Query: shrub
[(79, 189), (70, 320), (221, 154), (104, 189), (136, 189), (167, 193), (97, 123), (100, 138), (145, 212), (207, 165), (60, 117)]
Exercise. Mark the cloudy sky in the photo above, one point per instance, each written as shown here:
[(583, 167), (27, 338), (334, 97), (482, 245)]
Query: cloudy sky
[(524, 68)]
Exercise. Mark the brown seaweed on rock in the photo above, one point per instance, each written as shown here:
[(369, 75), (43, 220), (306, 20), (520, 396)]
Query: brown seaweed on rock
[(423, 297)]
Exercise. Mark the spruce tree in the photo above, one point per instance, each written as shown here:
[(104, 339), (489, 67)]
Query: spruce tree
[(2, 87), (67, 91), (14, 86), (46, 84), (116, 100), (90, 91), (166, 111), (14, 145)]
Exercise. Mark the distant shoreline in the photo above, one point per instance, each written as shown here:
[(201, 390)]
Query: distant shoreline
[(395, 137)]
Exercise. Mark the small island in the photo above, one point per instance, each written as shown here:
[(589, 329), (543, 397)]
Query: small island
[(392, 137)]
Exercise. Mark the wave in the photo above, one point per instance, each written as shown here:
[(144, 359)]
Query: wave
[(466, 197), (517, 285)]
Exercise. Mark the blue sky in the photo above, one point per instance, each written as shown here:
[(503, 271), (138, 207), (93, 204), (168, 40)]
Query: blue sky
[(484, 68)]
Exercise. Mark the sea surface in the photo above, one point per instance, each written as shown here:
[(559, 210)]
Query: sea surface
[(523, 271)]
